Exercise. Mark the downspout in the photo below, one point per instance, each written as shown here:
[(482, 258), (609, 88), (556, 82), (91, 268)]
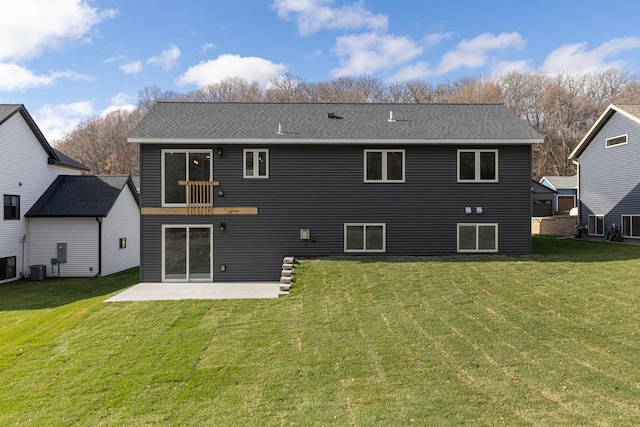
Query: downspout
[(99, 273)]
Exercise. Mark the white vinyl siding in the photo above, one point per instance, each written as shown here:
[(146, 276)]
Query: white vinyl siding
[(81, 237), (24, 172), (123, 221)]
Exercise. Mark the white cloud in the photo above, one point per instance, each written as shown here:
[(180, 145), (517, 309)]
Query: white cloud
[(419, 70), (369, 52), (575, 58), (206, 47), (16, 77), (474, 53), (27, 27), (314, 15), (121, 101), (134, 67), (167, 59), (523, 66), (57, 120), (249, 68)]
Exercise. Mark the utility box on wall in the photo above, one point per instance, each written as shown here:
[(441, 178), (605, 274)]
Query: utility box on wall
[(61, 250)]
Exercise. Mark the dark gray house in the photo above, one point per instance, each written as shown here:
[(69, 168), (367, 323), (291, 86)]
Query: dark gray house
[(231, 188), (608, 173)]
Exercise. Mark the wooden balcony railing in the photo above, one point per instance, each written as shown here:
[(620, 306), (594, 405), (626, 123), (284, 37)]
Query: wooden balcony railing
[(199, 196)]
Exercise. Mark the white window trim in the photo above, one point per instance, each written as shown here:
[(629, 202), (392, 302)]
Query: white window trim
[(630, 223), (477, 165), (162, 177), (626, 141), (384, 167), (256, 166), (595, 234), (477, 225), (168, 226), (365, 225)]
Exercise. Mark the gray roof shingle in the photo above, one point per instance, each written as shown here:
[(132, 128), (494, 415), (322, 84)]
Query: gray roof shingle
[(81, 196), (191, 121), (563, 182)]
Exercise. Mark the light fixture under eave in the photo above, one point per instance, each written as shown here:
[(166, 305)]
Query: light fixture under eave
[(220, 151)]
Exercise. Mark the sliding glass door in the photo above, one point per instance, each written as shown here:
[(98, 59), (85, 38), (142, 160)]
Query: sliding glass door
[(187, 253)]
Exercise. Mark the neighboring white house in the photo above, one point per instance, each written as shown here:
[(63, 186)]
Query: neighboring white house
[(90, 226), (28, 165)]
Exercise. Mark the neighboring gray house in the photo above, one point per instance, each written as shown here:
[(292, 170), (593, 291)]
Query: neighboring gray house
[(28, 165), (566, 191), (231, 188), (542, 199), (608, 173), (89, 224)]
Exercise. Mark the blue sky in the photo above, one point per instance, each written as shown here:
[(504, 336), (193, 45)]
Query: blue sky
[(69, 60)]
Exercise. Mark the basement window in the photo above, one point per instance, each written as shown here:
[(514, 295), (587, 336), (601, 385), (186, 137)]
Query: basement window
[(595, 225), (617, 140), (7, 268), (365, 237), (477, 237)]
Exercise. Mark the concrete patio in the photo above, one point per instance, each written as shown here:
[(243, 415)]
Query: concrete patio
[(179, 291)]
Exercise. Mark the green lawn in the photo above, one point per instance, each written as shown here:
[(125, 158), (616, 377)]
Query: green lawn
[(548, 339)]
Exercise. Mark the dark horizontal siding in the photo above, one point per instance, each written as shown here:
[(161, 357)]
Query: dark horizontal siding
[(322, 188)]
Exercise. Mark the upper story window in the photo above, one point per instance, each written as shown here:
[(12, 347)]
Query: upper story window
[(384, 165), (11, 207), (256, 163), (183, 165), (617, 140), (477, 165)]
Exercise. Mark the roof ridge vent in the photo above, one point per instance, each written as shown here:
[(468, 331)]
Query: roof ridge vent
[(391, 119)]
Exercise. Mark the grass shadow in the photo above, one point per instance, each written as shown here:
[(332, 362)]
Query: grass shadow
[(56, 292)]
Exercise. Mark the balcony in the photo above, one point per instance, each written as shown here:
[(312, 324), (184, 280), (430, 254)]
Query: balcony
[(199, 196)]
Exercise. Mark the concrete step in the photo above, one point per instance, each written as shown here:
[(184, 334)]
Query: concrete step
[(286, 280), (285, 288), (286, 273), (283, 294), (287, 266), (288, 260)]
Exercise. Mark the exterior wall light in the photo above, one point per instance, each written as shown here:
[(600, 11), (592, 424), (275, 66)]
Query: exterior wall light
[(467, 210), (479, 210), (223, 267), (221, 193), (223, 226), (220, 151)]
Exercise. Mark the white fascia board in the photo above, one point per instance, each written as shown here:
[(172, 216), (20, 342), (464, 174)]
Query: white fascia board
[(303, 141)]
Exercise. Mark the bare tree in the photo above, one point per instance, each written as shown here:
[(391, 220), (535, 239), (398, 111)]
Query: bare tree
[(100, 143), (232, 89)]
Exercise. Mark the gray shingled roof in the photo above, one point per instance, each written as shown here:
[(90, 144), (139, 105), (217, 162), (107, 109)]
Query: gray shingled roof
[(562, 182), (191, 121), (81, 196), (55, 157)]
